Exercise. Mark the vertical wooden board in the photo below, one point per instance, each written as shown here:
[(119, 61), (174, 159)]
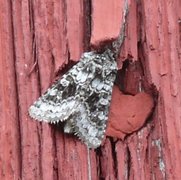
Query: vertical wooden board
[(107, 162), (123, 161), (71, 157), (37, 39), (75, 27), (138, 144), (162, 31), (106, 20), (30, 148), (10, 145), (54, 23), (129, 49)]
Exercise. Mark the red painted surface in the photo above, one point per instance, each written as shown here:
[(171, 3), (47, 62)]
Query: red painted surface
[(46, 35), (128, 113), (101, 15)]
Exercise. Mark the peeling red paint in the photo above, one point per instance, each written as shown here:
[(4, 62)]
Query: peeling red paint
[(106, 21), (75, 25), (49, 34), (128, 113)]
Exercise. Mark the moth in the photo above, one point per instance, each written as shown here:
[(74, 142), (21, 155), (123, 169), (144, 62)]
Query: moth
[(81, 98)]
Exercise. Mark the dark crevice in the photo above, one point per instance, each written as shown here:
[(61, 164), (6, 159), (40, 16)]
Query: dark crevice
[(39, 133), (87, 24), (19, 138), (55, 163), (36, 63), (128, 163), (98, 161), (64, 10), (31, 18), (141, 65), (52, 66), (120, 77), (141, 57), (131, 72), (114, 156)]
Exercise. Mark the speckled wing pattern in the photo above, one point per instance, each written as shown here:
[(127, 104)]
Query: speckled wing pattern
[(81, 98)]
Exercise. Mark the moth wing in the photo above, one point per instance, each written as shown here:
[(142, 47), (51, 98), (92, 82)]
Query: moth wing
[(59, 101), (89, 120), (81, 97), (51, 106)]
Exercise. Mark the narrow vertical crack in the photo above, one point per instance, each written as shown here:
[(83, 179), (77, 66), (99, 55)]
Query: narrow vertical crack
[(98, 161), (114, 156), (64, 10), (39, 133), (36, 65), (128, 168), (55, 164), (120, 77), (19, 138), (87, 24)]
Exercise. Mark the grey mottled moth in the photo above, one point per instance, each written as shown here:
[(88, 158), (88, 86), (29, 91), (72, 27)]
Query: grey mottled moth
[(81, 98)]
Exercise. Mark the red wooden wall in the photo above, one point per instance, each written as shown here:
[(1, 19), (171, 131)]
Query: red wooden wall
[(40, 37)]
